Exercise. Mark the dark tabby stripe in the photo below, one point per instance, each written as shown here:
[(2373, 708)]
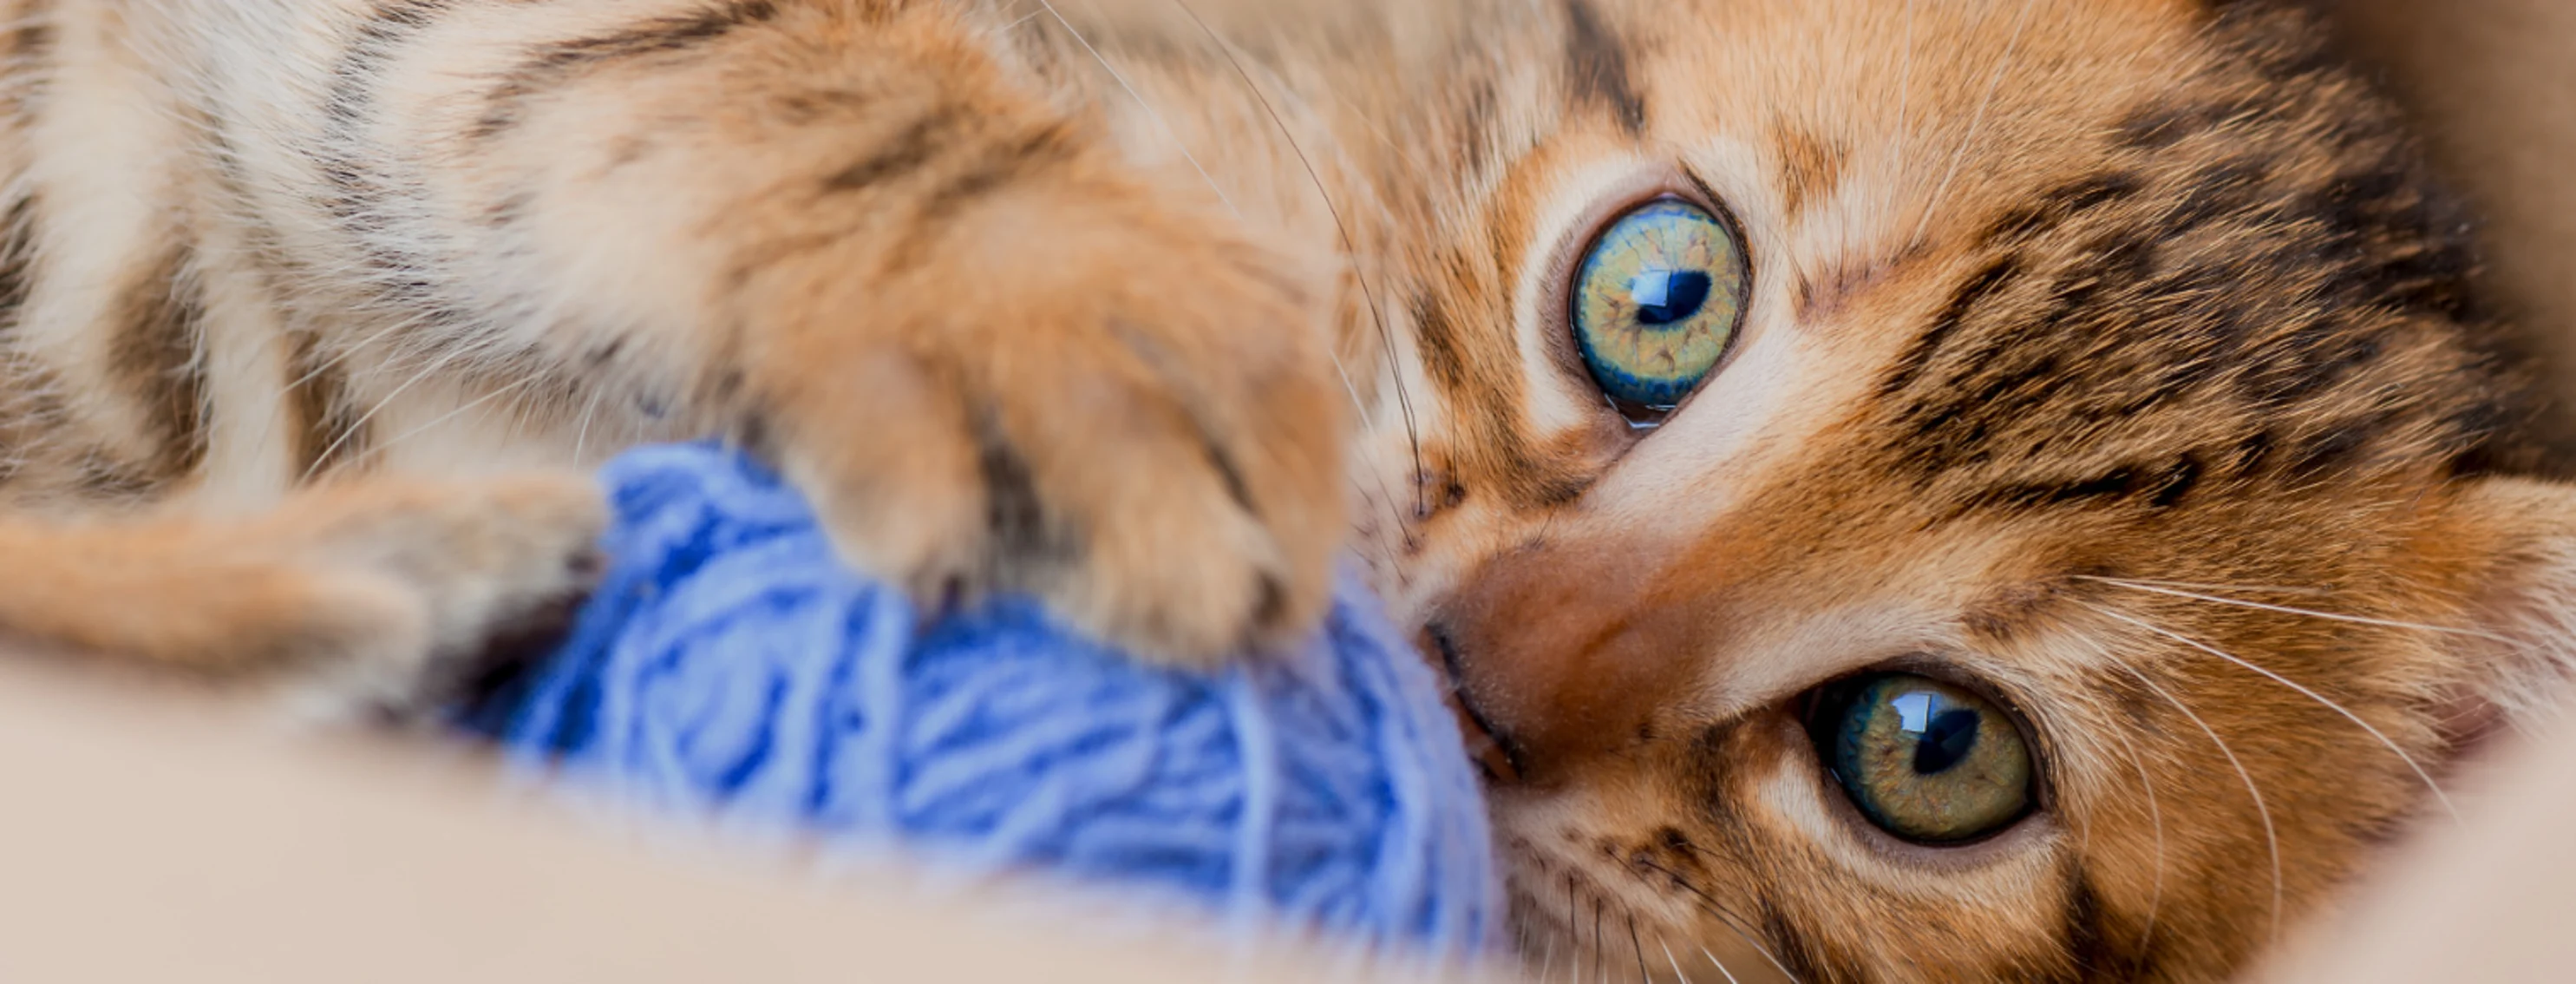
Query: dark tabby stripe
[(351, 99), (330, 429), (17, 256), (1014, 514), (358, 192), (1802, 959), (1810, 169), (996, 168), (1487, 408), (907, 152), (2160, 486), (1986, 283), (557, 64), (2092, 954), (154, 355), (1046, 146), (1596, 67), (30, 49)]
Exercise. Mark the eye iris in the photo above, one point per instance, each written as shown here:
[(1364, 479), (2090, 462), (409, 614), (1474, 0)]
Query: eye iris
[(1924, 760), (1657, 301)]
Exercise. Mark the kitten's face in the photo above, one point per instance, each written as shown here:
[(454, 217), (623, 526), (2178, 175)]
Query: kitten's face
[(2068, 408)]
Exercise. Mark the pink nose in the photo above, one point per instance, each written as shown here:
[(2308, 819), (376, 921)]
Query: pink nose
[(1562, 657)]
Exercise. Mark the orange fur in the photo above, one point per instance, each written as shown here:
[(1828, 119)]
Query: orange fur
[(2112, 355)]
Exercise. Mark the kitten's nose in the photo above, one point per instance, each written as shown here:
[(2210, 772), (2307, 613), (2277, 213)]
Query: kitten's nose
[(1562, 654)]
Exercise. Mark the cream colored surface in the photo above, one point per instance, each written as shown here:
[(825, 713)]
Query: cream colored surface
[(2493, 900), (152, 841), (155, 842)]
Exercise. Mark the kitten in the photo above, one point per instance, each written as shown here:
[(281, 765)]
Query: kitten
[(2013, 489)]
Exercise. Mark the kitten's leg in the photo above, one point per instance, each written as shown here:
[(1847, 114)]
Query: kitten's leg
[(841, 231), (381, 597)]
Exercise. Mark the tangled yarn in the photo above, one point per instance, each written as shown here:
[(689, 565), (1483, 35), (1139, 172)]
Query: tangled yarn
[(731, 664)]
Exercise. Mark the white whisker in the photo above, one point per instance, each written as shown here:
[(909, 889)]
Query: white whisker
[(1730, 975), (1157, 114), (581, 435), (1940, 192), (268, 428), (2254, 588), (2156, 817), (2321, 700), (1350, 248), (1678, 973), (2287, 610), (2271, 837), (1548, 964), (1905, 94), (1726, 918), (361, 423), (445, 417)]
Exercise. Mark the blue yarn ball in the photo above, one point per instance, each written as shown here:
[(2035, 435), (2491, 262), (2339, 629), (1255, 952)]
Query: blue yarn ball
[(730, 664)]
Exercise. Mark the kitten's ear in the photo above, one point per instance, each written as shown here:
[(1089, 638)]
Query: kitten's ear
[(2522, 646)]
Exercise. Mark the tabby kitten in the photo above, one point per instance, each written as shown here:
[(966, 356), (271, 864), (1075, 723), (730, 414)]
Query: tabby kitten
[(1908, 491)]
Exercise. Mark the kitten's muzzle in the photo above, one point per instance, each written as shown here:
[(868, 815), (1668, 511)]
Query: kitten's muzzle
[(1494, 752), (1558, 659)]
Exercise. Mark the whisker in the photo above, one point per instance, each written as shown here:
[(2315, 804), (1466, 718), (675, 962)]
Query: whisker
[(445, 417), (1157, 114), (1600, 955), (2255, 588), (2321, 700), (2156, 817), (2271, 838), (1940, 192), (1548, 965), (1410, 154), (1678, 973), (1730, 975), (1574, 964), (581, 437), (268, 428), (1726, 917), (1905, 93), (1643, 975), (1350, 246), (351, 432), (2287, 610)]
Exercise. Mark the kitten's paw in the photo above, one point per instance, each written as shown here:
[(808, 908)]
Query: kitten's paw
[(1124, 412), (419, 591)]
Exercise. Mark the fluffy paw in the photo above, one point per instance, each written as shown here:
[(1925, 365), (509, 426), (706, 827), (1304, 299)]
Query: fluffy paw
[(1124, 411)]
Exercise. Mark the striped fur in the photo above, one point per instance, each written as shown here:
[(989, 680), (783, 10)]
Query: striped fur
[(2112, 354)]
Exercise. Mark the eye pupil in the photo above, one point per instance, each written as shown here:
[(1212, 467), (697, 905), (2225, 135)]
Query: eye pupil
[(1656, 303), (1667, 296), (1923, 759), (1948, 741)]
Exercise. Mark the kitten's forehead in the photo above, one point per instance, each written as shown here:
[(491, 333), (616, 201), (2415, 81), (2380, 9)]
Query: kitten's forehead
[(2165, 232)]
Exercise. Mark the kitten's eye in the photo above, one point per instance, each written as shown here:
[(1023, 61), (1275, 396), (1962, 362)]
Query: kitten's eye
[(1924, 760), (1656, 302)]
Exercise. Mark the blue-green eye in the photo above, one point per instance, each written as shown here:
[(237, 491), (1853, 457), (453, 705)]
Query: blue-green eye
[(1657, 301), (1924, 760)]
